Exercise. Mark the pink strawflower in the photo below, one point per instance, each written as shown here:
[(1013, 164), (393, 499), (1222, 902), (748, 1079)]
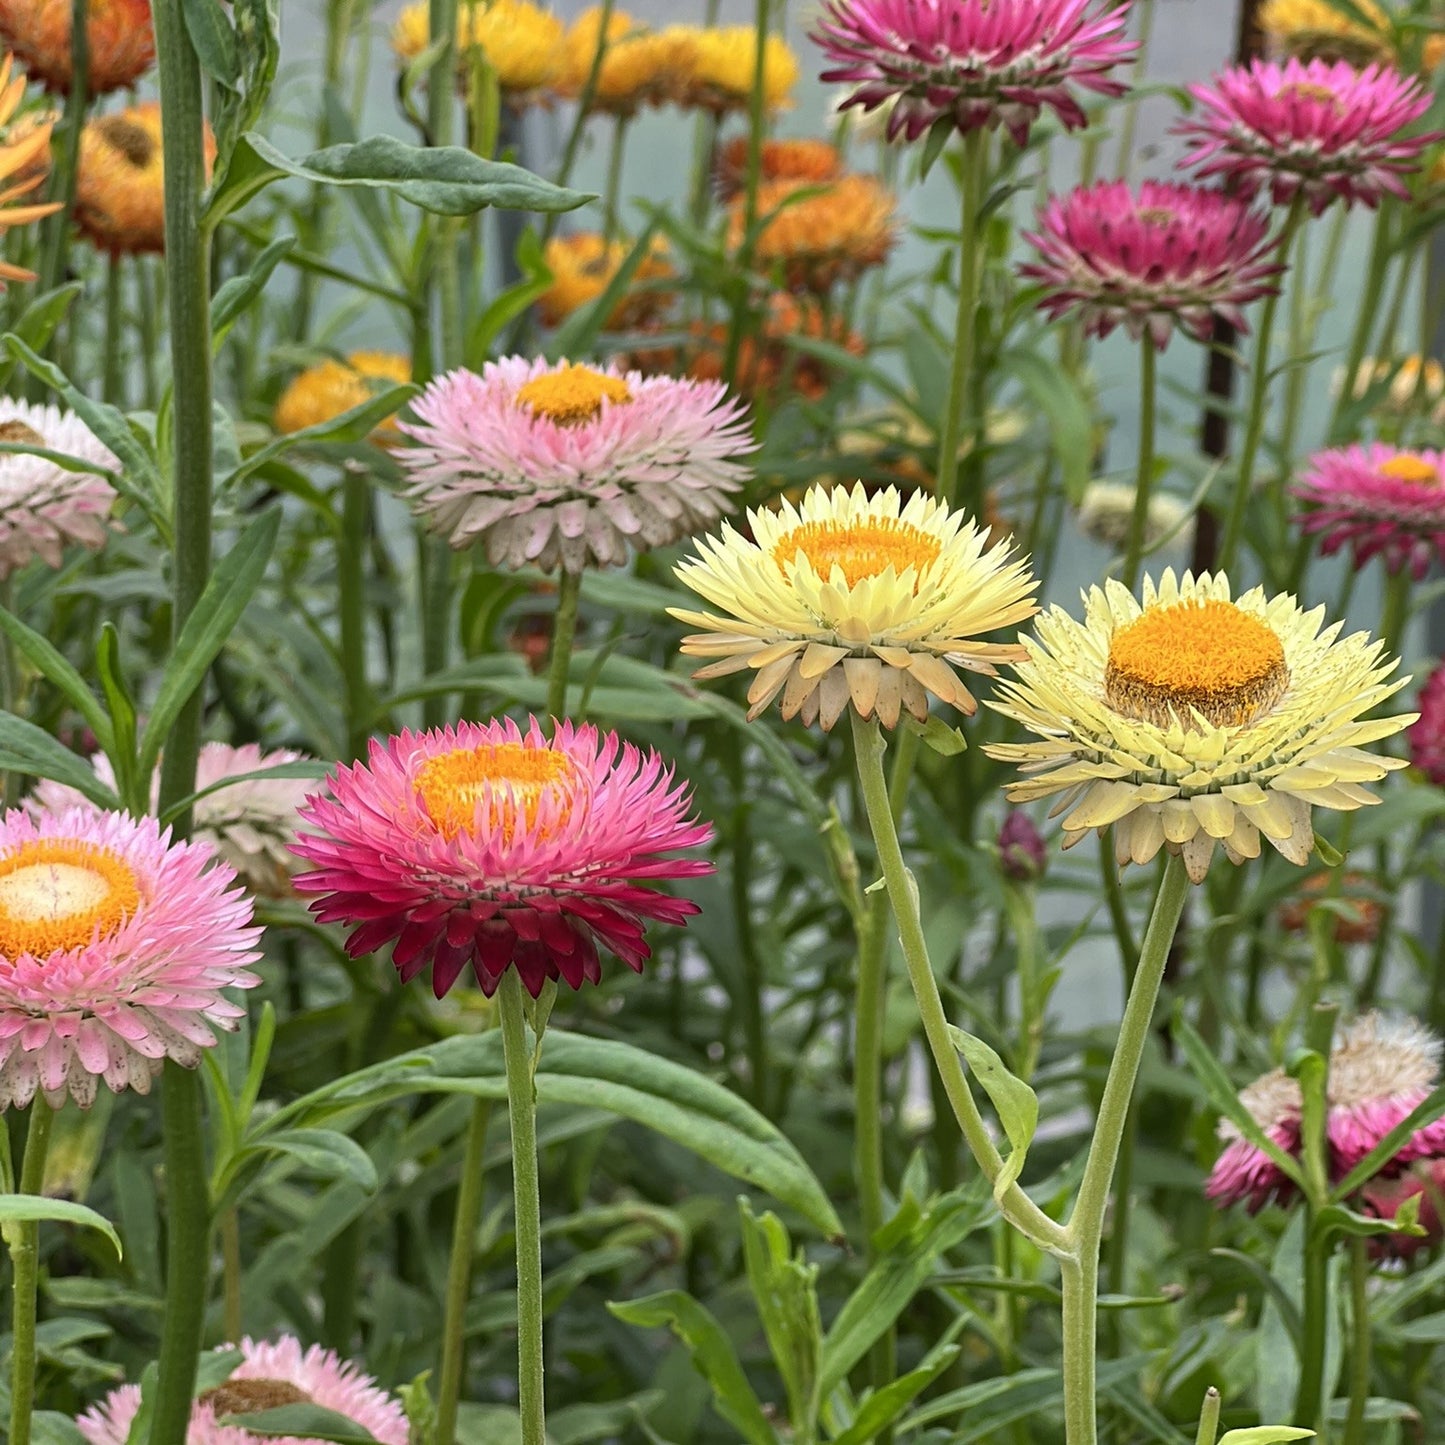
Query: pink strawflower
[(1172, 255), (567, 465), (271, 1374), (43, 506), (1380, 500), (1427, 734), (974, 62), (480, 844), (115, 948), (1384, 1198), (250, 824), (1381, 1069), (1318, 128)]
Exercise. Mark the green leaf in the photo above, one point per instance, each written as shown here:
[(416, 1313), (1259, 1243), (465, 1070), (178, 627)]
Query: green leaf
[(938, 135), (879, 1409), (57, 669), (305, 1419), (230, 588), (122, 746), (1015, 1102), (40, 319), (213, 40), (684, 1106), (1426, 1112), (1061, 401), (350, 426), (332, 1155), (509, 304), (712, 1352), (1336, 1219), (36, 1208), (1266, 1435), (302, 768), (946, 741), (25, 748), (235, 297), (446, 180)]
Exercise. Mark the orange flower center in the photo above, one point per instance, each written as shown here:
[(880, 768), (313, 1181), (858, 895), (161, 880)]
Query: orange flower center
[(861, 549), (58, 894), (572, 394), (497, 787), (1308, 90), (1205, 656), (1155, 215), (1407, 468)]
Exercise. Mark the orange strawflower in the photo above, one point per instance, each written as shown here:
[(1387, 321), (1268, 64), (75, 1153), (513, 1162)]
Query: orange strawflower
[(639, 66), (120, 182), (24, 163), (122, 45), (821, 238), (1356, 911), (583, 267), (806, 162), (325, 390)]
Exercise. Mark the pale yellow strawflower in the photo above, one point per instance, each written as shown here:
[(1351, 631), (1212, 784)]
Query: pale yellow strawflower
[(850, 598), (715, 69), (1190, 720)]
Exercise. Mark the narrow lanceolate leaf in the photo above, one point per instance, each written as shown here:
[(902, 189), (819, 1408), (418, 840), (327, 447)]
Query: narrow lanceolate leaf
[(30, 1208), (232, 584), (1016, 1103), (56, 669), (25, 748)]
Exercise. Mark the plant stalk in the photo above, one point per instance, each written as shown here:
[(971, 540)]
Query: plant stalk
[(351, 559), (564, 633), (24, 1241), (966, 322), (1144, 477)]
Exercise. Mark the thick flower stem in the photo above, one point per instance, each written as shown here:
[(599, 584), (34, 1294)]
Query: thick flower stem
[(1080, 1274), (351, 555), (1315, 1311), (1258, 399), (24, 1242), (188, 271), (459, 1274), (1014, 1204), (564, 633), (965, 324), (1209, 1418), (522, 1112), (1370, 297), (1144, 477)]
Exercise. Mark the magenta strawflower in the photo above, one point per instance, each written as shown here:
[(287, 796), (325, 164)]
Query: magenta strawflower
[(480, 844), (568, 465), (1170, 255), (283, 1372), (1317, 128), (1381, 1069), (975, 62), (1427, 735), (1379, 500), (115, 948)]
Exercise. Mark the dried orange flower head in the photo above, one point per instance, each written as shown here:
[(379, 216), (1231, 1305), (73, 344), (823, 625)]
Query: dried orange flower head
[(807, 162), (24, 162), (584, 265), (120, 40), (120, 182), (326, 390)]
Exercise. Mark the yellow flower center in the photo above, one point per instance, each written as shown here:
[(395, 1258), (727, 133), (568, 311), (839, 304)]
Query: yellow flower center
[(1407, 468), (1155, 215), (58, 894), (496, 787), (572, 394), (862, 549), (1206, 656), (1308, 90)]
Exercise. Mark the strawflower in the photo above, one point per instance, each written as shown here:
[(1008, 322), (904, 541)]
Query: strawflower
[(1381, 1069), (120, 181), (521, 42), (1427, 735), (585, 264), (803, 162), (1190, 720), (639, 66), (818, 236), (44, 507), (976, 63), (1423, 1181), (1107, 508), (481, 845), (715, 69), (116, 948), (851, 598), (563, 465), (1415, 385), (1316, 29), (1378, 500), (1355, 911), (1170, 255), (271, 1373), (324, 391), (120, 41), (1316, 129), (24, 163), (249, 824), (1022, 853)]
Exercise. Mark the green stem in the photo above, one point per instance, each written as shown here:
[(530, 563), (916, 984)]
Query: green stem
[(1360, 1343), (459, 1274), (564, 632), (612, 196), (1395, 618), (56, 250), (965, 322), (584, 107), (1209, 1418), (1370, 296), (1258, 397), (230, 1229), (1144, 477), (1013, 1203), (113, 382), (522, 1112), (1080, 1277), (1315, 1309), (24, 1240), (351, 597), (1127, 131)]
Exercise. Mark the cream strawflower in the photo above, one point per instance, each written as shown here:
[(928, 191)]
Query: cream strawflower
[(848, 596), (1192, 720)]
